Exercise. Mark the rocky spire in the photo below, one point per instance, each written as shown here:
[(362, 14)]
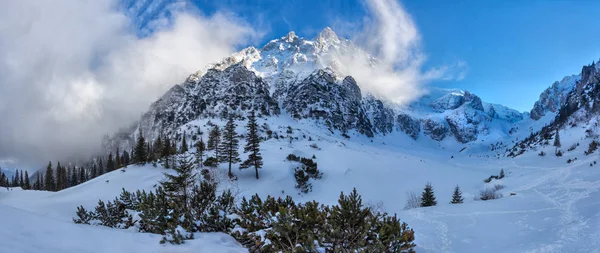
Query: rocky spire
[(327, 35)]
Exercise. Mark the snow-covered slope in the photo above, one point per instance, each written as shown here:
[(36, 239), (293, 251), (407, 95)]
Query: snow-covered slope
[(555, 208), (38, 221)]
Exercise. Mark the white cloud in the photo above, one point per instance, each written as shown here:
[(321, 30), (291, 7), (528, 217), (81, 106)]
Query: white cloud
[(74, 70), (391, 36)]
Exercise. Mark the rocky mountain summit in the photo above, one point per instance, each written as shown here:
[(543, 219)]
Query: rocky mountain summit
[(301, 79)]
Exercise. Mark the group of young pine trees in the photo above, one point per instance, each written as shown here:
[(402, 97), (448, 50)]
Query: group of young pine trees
[(428, 198), (225, 144)]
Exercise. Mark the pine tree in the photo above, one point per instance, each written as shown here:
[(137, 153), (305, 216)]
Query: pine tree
[(72, 177), (457, 196), (94, 172), (158, 147), (178, 187), (184, 146), (428, 198), (38, 184), (166, 153), (228, 148), (252, 146), (65, 177), (118, 162), (126, 158), (2, 178), (49, 182), (200, 148), (59, 177), (27, 184), (110, 163), (151, 157), (100, 166), (82, 176), (21, 180), (348, 224), (557, 140), (214, 138), (140, 154)]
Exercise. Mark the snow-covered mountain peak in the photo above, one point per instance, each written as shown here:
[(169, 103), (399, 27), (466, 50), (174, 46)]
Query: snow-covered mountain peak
[(327, 37), (304, 77)]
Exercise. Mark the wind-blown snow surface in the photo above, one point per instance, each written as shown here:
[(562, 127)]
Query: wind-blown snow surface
[(555, 209)]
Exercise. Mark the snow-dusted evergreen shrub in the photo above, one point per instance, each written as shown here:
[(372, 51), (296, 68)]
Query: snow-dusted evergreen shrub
[(308, 169), (280, 225)]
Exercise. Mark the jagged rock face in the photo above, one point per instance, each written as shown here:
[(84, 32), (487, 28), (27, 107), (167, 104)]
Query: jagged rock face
[(553, 97), (455, 100), (217, 93), (466, 126), (412, 127), (503, 113), (585, 97), (380, 115), (434, 129), (320, 97)]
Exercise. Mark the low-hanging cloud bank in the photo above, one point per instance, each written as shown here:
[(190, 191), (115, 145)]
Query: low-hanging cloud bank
[(390, 35), (72, 70)]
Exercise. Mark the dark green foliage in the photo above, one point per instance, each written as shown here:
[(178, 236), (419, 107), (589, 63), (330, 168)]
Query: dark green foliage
[(499, 176), (21, 180), (348, 224), (83, 216), (200, 150), (27, 184), (216, 217), (252, 146), (178, 187), (49, 182), (428, 198), (214, 138), (310, 167), (592, 147), (140, 154), (457, 196), (228, 148), (307, 169), (289, 227), (302, 180), (184, 145), (110, 163), (293, 158), (557, 143), (211, 162), (347, 227), (94, 171)]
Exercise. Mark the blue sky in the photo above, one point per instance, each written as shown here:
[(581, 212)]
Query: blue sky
[(513, 49)]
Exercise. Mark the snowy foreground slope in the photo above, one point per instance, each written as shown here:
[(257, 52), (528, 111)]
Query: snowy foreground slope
[(555, 209)]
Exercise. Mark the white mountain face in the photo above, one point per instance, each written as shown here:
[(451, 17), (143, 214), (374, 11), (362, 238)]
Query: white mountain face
[(302, 78)]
